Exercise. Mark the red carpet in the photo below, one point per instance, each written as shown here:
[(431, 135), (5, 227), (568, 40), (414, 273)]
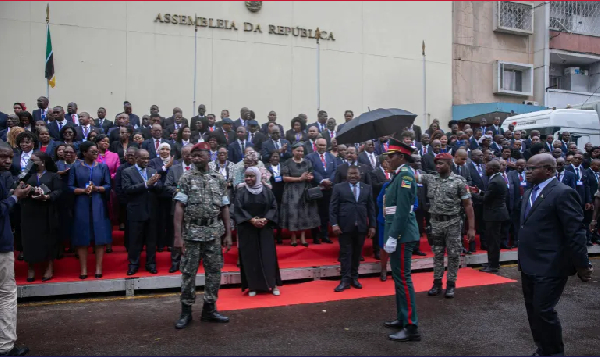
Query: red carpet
[(322, 290), (115, 264)]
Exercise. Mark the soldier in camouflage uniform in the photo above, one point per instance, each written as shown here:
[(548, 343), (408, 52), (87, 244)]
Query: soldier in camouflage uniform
[(446, 192), (202, 205)]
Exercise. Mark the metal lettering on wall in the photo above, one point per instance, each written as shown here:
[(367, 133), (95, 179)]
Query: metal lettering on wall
[(246, 26)]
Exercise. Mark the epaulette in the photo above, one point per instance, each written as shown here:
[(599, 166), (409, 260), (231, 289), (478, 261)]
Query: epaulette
[(404, 168)]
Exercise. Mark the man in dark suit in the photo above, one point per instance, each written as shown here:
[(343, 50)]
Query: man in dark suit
[(130, 160), (102, 122), (518, 185), (272, 119), (84, 127), (151, 145), (352, 213), (324, 168), (134, 120), (255, 136), (310, 145), (593, 173), (582, 186), (551, 248), (55, 126), (459, 166), (483, 126), (474, 140), (225, 131), (381, 145), (171, 120), (42, 112), (479, 178), (276, 143), (423, 147), (178, 123), (243, 119), (368, 156), (236, 148), (495, 214), (200, 117), (495, 128), (321, 123), (428, 159), (142, 185), (72, 115), (173, 176), (340, 173), (564, 176)]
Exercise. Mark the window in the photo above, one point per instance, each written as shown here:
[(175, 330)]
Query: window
[(514, 17), (513, 78)]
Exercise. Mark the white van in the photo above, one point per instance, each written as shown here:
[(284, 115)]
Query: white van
[(583, 125)]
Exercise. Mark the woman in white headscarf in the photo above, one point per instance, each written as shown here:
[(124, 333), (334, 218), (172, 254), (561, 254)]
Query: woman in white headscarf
[(255, 212), (162, 164)]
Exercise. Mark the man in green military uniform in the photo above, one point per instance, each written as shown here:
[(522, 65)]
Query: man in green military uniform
[(403, 237), (202, 206)]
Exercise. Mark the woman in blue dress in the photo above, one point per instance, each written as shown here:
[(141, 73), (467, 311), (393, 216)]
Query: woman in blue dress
[(66, 200), (90, 182)]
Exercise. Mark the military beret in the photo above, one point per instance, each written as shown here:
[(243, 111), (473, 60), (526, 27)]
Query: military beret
[(443, 156), (227, 121), (201, 146), (252, 122)]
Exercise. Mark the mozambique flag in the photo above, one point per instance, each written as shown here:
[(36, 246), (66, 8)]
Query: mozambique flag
[(49, 60)]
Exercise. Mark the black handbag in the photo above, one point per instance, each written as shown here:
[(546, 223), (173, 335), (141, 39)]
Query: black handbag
[(312, 194)]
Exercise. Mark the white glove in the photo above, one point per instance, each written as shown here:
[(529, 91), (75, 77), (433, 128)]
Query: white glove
[(390, 245)]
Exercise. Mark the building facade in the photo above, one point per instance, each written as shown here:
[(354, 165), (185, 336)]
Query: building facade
[(517, 57), (262, 56)]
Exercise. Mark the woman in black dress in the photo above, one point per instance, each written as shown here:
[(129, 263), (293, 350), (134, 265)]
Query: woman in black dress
[(276, 180), (125, 139), (40, 239), (297, 132), (255, 212)]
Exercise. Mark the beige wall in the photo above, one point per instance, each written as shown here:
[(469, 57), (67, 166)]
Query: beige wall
[(476, 47), (108, 52)]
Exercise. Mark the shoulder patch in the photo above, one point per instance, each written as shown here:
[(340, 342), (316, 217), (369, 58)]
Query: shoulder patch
[(404, 168), (405, 183)]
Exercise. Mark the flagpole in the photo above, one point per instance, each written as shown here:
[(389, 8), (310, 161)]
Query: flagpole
[(195, 59), (47, 29), (318, 36)]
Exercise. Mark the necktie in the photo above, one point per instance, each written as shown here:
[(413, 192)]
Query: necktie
[(558, 176), (521, 177), (596, 174), (60, 125), (85, 131), (505, 179), (331, 133), (385, 146), (314, 146), (532, 199), (252, 137), (424, 150), (242, 145), (143, 173), (355, 192), (157, 143), (211, 128), (479, 170), (372, 161), (387, 175), (187, 168), (323, 161), (226, 136), (276, 145), (577, 172)]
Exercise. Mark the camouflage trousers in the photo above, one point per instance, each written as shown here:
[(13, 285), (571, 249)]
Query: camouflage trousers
[(446, 236), (211, 255)]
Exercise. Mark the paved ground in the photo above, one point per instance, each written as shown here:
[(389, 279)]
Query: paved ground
[(488, 320)]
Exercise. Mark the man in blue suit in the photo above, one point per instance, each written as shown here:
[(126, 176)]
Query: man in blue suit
[(42, 112), (324, 166), (276, 143), (479, 178), (236, 148), (518, 185), (551, 248), (582, 187), (8, 286)]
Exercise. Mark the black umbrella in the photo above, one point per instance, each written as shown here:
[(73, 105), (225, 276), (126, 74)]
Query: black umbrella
[(375, 124)]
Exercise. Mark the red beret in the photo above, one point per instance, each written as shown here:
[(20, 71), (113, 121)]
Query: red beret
[(201, 146), (443, 156)]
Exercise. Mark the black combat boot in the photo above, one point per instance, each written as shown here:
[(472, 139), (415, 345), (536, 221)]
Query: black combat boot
[(450, 289), (210, 313), (409, 333), (185, 318), (436, 289)]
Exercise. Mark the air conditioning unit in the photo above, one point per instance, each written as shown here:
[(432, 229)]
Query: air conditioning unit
[(529, 102), (515, 17)]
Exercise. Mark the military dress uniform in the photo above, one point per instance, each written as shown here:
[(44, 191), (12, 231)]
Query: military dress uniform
[(202, 194), (445, 198), (402, 231)]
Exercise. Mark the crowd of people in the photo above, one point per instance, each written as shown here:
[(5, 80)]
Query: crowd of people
[(76, 177)]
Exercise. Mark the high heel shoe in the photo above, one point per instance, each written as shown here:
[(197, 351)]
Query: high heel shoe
[(82, 276), (44, 279), (30, 280), (304, 244), (98, 276), (294, 244)]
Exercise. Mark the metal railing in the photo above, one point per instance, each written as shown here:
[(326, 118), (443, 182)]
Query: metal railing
[(580, 17), (515, 16)]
